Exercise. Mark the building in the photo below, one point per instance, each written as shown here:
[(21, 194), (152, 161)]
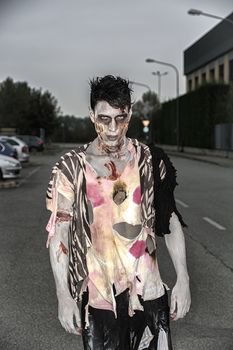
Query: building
[(210, 58)]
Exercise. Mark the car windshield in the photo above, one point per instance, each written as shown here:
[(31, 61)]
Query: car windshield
[(5, 145), (12, 142)]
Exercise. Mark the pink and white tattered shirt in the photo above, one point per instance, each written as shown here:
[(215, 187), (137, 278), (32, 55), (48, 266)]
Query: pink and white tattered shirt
[(119, 257)]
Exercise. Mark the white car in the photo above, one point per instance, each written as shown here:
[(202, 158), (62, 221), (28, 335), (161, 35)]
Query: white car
[(9, 167), (19, 145)]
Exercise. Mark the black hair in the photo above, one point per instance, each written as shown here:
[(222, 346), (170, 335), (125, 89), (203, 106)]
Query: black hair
[(112, 89)]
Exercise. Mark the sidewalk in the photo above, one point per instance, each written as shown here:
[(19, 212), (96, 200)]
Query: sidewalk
[(224, 162)]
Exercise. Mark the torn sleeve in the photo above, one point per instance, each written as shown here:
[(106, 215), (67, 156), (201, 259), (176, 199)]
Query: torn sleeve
[(164, 185), (60, 199)]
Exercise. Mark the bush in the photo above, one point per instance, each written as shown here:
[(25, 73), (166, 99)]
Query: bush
[(199, 111)]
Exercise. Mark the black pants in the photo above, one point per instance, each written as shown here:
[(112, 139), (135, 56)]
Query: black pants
[(105, 332)]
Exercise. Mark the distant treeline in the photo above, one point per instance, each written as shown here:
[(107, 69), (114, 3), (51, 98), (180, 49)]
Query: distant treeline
[(73, 129), (28, 110)]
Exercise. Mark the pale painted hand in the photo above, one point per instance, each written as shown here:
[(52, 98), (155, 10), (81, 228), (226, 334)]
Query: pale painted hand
[(68, 311), (180, 299)]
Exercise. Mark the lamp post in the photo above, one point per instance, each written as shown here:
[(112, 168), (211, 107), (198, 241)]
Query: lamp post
[(151, 60), (159, 74), (140, 84), (195, 12)]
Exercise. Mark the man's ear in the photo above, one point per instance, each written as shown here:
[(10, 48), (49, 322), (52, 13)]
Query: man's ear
[(92, 115), (130, 113)]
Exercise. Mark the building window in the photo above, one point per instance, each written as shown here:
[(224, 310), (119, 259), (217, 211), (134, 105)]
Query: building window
[(231, 71), (212, 75), (196, 82), (221, 72), (203, 78), (190, 85)]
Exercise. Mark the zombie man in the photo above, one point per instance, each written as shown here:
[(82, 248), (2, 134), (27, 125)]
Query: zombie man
[(109, 199)]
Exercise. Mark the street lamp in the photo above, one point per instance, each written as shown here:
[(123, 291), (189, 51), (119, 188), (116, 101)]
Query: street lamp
[(140, 84), (151, 60), (159, 74), (195, 12)]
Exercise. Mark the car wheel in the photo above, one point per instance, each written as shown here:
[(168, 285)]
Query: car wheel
[(1, 177)]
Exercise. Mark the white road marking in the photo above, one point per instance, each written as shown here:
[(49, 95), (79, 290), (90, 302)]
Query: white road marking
[(182, 203), (214, 223), (30, 174)]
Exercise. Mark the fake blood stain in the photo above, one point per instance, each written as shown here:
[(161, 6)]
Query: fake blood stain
[(63, 248), (138, 249), (61, 216), (113, 171), (137, 195), (94, 195)]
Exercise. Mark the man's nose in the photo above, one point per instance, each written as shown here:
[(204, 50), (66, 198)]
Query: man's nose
[(112, 125)]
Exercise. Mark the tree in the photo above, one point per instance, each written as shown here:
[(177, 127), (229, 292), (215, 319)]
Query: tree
[(27, 109), (147, 106), (135, 128), (72, 129), (14, 102)]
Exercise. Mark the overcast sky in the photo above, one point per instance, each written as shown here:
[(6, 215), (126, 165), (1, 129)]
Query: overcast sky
[(60, 44)]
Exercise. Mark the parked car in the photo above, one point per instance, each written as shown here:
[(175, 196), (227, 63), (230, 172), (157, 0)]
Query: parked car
[(34, 143), (7, 150), (20, 146), (9, 167)]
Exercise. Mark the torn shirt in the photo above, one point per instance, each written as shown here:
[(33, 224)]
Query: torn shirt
[(119, 257), (67, 193)]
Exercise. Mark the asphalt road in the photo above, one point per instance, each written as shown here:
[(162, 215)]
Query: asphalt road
[(28, 317)]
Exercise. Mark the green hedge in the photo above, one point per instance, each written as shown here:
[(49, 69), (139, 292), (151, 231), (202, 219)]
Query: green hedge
[(199, 111)]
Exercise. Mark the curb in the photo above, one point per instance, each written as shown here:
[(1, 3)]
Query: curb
[(202, 159), (8, 184)]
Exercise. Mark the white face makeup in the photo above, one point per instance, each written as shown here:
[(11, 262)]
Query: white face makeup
[(111, 125)]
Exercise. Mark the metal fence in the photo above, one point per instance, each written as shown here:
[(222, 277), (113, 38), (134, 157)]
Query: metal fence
[(223, 136)]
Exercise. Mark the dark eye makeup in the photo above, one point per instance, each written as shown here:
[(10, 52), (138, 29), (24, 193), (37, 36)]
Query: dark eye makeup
[(107, 119)]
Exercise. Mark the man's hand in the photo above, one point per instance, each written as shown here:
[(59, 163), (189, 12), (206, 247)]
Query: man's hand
[(67, 312), (180, 299), (175, 242)]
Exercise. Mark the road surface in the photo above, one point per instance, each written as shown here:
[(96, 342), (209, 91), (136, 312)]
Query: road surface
[(28, 317)]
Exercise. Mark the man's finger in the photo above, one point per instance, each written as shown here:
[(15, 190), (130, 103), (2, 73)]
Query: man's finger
[(79, 330), (72, 329), (173, 316), (173, 305), (64, 325), (185, 309), (177, 311), (181, 312)]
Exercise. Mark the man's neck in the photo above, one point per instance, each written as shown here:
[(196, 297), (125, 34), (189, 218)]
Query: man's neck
[(120, 151)]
